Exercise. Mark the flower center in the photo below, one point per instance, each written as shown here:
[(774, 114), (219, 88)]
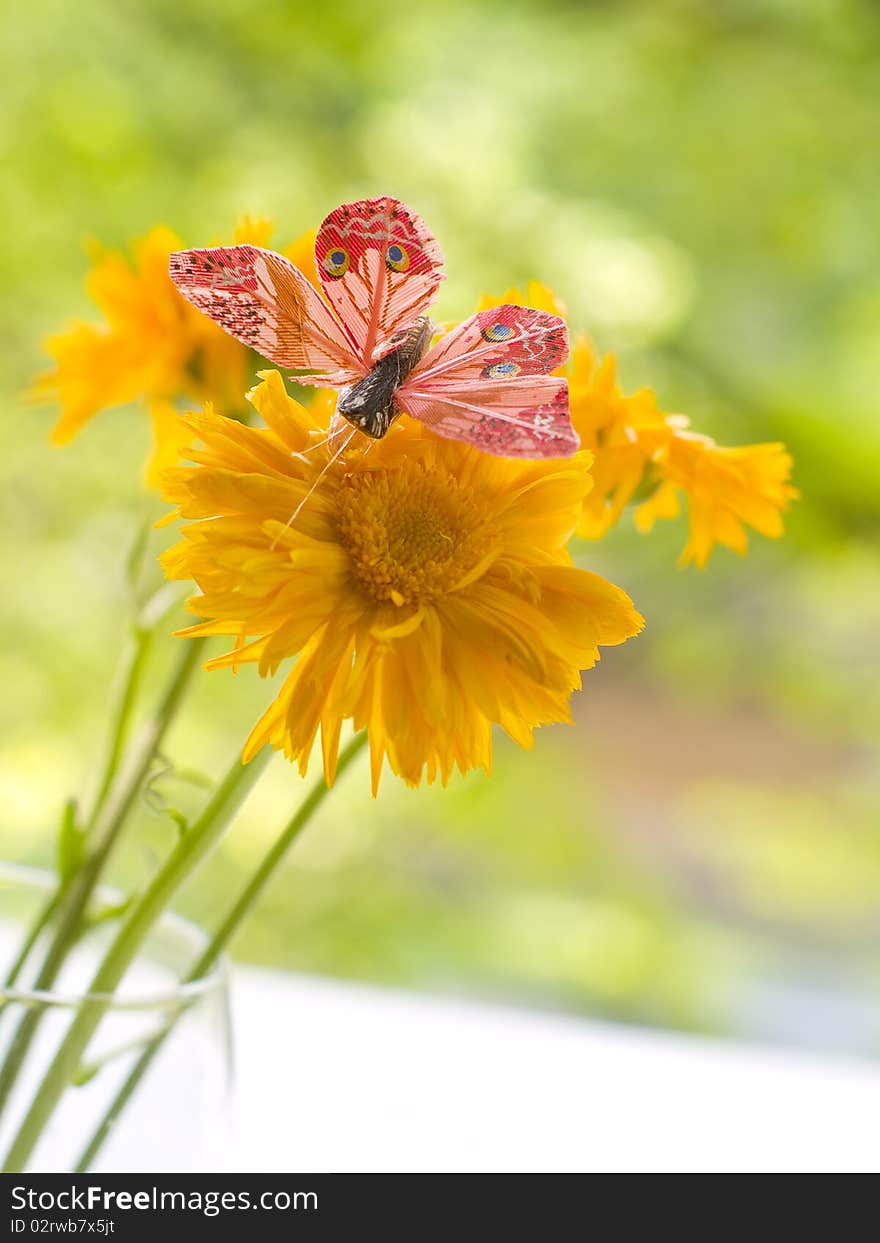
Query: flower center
[(413, 532)]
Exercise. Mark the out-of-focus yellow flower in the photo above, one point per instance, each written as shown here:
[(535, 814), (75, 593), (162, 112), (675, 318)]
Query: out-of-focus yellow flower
[(624, 434), (152, 346), (726, 489), (640, 452), (540, 297), (424, 588)]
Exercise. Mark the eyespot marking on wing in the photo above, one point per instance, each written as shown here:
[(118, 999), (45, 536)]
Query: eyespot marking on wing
[(498, 332), (397, 257), (391, 275), (501, 371), (336, 262)]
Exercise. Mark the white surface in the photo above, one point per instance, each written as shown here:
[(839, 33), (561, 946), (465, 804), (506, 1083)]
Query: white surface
[(340, 1077)]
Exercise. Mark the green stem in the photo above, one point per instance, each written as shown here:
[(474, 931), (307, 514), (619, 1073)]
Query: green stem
[(177, 868), (126, 684), (87, 1071), (43, 919), (285, 839), (76, 894), (248, 898)]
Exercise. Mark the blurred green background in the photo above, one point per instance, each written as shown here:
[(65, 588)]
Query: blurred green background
[(700, 182)]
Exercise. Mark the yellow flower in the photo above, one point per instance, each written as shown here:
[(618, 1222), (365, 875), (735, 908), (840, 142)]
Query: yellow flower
[(624, 434), (423, 588), (540, 297), (640, 453), (170, 437), (152, 346), (727, 490)]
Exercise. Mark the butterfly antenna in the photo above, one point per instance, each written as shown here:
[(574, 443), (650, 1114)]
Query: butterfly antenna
[(334, 457), (319, 444), (370, 446), (337, 422)]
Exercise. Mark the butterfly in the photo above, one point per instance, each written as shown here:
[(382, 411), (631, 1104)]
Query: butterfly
[(487, 382)]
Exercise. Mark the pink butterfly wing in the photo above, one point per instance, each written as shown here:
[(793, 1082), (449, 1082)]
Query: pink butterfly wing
[(380, 268), (486, 383), (266, 303)]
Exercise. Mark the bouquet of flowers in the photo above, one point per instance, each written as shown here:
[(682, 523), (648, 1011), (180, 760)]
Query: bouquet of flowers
[(395, 513)]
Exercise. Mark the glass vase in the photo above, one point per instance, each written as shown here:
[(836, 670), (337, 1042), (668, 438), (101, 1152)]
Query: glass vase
[(177, 1117)]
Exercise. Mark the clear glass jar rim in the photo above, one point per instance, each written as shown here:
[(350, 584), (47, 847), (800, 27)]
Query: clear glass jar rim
[(37, 878)]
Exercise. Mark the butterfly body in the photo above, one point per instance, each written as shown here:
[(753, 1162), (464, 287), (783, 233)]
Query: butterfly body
[(370, 404), (488, 382)]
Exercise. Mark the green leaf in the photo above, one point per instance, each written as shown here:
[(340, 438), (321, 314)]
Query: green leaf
[(193, 777), (104, 914), (179, 819), (71, 842), (86, 1071), (156, 801)]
